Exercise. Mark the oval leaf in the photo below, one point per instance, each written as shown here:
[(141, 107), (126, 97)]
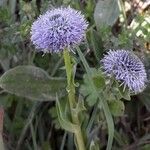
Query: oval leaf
[(33, 83), (106, 12)]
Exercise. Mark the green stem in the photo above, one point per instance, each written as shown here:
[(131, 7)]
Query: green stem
[(71, 97), (103, 102)]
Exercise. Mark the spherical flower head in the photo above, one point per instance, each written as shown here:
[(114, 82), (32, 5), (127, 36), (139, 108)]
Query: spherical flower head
[(58, 29), (127, 68)]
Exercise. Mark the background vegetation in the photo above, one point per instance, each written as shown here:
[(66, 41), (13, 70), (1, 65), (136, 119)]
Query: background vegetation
[(32, 125)]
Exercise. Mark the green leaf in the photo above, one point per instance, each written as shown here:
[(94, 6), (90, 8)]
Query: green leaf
[(4, 14), (89, 7), (99, 83), (116, 107), (95, 43), (25, 28), (102, 100), (125, 93), (53, 112), (63, 120), (118, 92), (33, 83), (106, 12)]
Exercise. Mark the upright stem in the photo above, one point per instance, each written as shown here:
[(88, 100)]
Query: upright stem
[(102, 100), (71, 98)]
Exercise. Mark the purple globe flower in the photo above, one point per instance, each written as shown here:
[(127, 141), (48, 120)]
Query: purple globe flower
[(127, 68), (58, 29)]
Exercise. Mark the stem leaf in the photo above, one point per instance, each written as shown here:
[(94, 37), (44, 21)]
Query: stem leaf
[(64, 122), (103, 102)]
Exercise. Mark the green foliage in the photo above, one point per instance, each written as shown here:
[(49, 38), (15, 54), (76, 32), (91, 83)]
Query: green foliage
[(25, 28), (4, 14), (106, 13), (116, 107), (125, 93), (87, 91), (53, 112), (64, 121), (79, 107), (30, 126), (95, 43), (116, 91), (102, 100), (32, 82)]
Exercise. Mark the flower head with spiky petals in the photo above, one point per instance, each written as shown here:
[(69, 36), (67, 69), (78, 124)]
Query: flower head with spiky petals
[(58, 29), (127, 68)]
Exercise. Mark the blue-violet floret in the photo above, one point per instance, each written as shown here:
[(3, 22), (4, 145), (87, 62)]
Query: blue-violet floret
[(58, 29), (127, 68)]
